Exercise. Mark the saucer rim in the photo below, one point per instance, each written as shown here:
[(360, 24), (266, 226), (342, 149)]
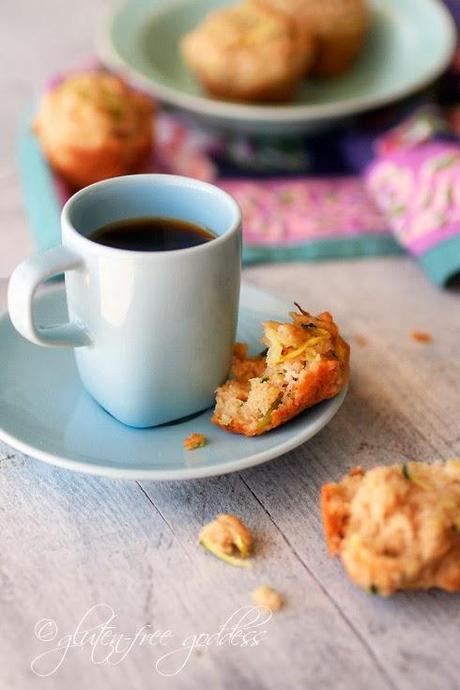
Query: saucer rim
[(331, 406)]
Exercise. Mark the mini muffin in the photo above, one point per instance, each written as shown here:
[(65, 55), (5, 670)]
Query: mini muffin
[(92, 126), (339, 27), (397, 527), (249, 53), (307, 361)]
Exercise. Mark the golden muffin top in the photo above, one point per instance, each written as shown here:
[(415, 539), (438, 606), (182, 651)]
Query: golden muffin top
[(246, 26), (89, 108), (306, 338), (322, 14)]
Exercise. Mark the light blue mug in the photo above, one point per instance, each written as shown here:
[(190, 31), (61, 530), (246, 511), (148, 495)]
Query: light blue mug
[(152, 331)]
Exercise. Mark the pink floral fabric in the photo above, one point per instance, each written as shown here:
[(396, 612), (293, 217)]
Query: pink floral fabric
[(294, 211), (418, 191)]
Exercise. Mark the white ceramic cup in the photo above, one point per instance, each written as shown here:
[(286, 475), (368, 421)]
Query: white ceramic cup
[(152, 331)]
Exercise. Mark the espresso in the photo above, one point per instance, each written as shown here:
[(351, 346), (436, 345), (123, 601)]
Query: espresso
[(151, 234)]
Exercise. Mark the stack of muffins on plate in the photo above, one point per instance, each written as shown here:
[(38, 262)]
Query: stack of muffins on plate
[(260, 50)]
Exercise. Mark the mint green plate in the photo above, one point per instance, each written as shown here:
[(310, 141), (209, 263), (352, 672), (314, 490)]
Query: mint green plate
[(410, 43)]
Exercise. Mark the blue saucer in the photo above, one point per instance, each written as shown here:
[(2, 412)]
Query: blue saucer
[(45, 413)]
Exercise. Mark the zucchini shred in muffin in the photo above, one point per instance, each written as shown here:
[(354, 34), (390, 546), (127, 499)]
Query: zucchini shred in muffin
[(396, 527), (307, 361), (93, 125), (249, 53)]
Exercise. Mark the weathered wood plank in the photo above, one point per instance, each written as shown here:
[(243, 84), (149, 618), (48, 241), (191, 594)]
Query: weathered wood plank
[(73, 542), (135, 547), (304, 627)]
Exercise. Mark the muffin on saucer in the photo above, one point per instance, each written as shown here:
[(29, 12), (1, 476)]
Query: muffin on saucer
[(249, 53), (339, 27), (306, 361), (93, 126)]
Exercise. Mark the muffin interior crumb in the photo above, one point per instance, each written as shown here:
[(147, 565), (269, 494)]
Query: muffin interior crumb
[(228, 538), (194, 440), (265, 383)]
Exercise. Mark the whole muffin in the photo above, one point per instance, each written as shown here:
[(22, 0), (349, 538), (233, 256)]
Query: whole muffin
[(92, 126), (249, 53), (339, 27)]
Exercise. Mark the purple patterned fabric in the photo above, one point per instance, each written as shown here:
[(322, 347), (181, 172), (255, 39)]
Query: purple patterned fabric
[(418, 190), (290, 211)]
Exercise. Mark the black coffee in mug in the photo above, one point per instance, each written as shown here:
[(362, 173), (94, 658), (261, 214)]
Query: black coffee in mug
[(151, 234)]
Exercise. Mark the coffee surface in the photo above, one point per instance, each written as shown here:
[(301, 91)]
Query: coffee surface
[(151, 234)]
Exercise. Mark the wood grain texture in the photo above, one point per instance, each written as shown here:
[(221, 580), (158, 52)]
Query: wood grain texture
[(70, 541)]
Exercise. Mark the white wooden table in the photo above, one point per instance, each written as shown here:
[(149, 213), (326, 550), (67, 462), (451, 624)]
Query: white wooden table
[(69, 542)]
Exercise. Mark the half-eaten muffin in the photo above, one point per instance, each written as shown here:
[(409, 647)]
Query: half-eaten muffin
[(307, 361)]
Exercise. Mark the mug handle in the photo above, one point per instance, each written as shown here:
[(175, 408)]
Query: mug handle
[(21, 290)]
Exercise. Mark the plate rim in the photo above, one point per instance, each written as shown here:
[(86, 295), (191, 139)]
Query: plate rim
[(332, 406), (207, 107)]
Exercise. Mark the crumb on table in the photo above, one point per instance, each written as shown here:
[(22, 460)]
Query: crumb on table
[(228, 538), (194, 440), (361, 340), (267, 597), (421, 337)]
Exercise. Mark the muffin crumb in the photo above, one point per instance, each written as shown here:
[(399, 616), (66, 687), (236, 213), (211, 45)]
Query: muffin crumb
[(228, 538), (361, 340), (194, 440), (422, 337), (268, 598)]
